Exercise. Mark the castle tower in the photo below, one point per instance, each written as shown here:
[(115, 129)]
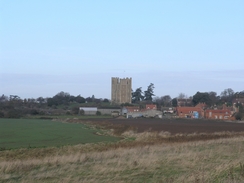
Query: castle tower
[(121, 90)]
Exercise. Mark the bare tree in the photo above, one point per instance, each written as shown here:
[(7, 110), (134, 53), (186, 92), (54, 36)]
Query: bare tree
[(227, 95), (182, 96), (166, 99)]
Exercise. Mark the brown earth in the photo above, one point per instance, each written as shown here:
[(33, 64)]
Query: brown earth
[(174, 126)]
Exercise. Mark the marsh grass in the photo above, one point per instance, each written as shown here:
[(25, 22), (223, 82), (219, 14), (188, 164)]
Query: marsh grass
[(218, 160)]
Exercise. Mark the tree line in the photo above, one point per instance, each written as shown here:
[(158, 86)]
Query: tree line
[(61, 103), (14, 106), (211, 99)]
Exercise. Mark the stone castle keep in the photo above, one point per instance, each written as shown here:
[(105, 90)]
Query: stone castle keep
[(121, 90)]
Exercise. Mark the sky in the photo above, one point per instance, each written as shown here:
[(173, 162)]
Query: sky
[(77, 46)]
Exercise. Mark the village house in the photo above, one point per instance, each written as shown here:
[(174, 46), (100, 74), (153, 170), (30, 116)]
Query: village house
[(151, 106), (129, 109), (134, 111), (189, 112), (218, 114)]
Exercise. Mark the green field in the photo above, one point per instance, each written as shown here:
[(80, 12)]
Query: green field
[(29, 133)]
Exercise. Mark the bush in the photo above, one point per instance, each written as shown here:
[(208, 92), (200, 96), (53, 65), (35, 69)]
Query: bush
[(14, 113), (1, 114), (239, 116), (98, 113), (33, 112), (75, 110), (82, 112)]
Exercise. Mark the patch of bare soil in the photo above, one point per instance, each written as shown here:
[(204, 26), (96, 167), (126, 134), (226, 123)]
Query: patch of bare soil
[(174, 126)]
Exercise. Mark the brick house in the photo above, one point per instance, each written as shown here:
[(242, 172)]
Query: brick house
[(130, 109), (190, 112), (238, 100), (151, 106), (218, 114)]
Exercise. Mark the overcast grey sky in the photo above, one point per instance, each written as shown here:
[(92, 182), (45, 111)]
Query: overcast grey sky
[(77, 46)]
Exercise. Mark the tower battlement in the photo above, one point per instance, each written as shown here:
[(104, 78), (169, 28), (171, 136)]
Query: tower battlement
[(121, 90)]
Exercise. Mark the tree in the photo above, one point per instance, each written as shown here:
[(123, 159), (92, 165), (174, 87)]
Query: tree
[(41, 100), (105, 100), (239, 116), (182, 96), (80, 99), (59, 99), (201, 97), (166, 100), (149, 92), (213, 97), (75, 110), (174, 102), (158, 101), (137, 95), (227, 95), (3, 98), (88, 99)]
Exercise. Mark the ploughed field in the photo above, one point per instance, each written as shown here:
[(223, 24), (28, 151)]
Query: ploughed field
[(173, 126)]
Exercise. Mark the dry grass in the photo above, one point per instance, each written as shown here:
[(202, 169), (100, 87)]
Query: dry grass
[(143, 160)]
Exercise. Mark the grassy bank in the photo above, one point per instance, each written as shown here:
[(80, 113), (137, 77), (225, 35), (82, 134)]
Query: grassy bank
[(218, 160)]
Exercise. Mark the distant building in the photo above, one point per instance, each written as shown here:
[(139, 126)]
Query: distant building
[(121, 90), (218, 114), (128, 109), (190, 112), (151, 106), (89, 110)]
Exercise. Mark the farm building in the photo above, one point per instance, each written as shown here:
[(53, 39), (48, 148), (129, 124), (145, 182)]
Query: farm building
[(145, 113), (130, 109), (89, 110), (109, 111)]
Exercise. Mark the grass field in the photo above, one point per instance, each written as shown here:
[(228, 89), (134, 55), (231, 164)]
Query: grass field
[(149, 156), (27, 133)]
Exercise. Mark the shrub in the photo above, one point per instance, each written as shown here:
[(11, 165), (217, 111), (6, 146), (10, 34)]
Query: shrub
[(82, 112), (98, 113), (1, 114), (33, 112), (238, 116), (14, 113), (75, 110)]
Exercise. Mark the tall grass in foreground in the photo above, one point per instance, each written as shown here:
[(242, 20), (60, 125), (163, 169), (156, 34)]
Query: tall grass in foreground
[(218, 160)]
